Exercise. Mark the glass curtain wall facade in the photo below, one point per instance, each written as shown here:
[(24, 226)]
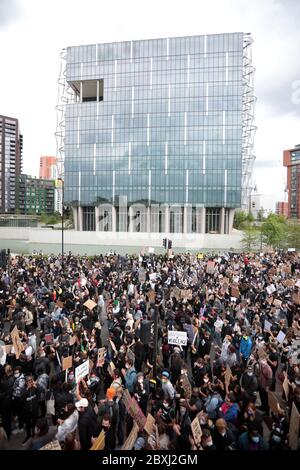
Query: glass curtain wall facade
[(153, 132)]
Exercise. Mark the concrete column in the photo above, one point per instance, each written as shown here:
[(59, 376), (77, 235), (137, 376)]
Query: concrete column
[(149, 219), (203, 220), (185, 219), (131, 214), (75, 217), (80, 219), (167, 219), (97, 217), (113, 219), (222, 221), (231, 217), (81, 91)]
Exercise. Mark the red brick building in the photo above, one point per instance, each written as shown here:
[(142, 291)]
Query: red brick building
[(48, 168), (282, 208)]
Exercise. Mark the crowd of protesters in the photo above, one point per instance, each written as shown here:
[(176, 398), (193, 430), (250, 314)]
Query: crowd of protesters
[(241, 316)]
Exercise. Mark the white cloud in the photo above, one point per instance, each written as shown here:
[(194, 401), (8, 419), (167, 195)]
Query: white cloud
[(36, 32)]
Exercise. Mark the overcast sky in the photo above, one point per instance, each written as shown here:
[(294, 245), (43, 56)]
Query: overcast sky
[(33, 33)]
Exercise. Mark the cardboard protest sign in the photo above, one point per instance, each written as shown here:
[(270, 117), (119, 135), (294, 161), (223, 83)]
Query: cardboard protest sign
[(273, 402), (101, 360), (151, 296), (175, 292), (196, 430), (280, 337), (186, 387), (67, 362), (149, 425), (286, 388), (18, 346), (126, 399), (81, 371), (210, 267), (54, 445), (178, 338), (152, 277), (228, 375), (142, 275), (90, 304), (186, 294), (151, 250), (99, 443), (130, 441), (267, 325), (234, 291), (270, 289), (294, 428), (136, 413), (296, 298)]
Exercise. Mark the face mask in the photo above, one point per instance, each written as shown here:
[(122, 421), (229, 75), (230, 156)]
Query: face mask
[(250, 374), (255, 439), (127, 366), (202, 422), (206, 381), (209, 443), (166, 406), (17, 375), (140, 381)]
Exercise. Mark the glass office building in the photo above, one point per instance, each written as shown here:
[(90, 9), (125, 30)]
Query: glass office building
[(158, 133)]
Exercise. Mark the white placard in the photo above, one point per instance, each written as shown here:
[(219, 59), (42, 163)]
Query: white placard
[(270, 289), (267, 326), (298, 283), (152, 277), (179, 338), (280, 337), (151, 250), (232, 299), (81, 371)]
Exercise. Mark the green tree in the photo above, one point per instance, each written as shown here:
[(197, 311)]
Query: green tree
[(260, 215), (274, 230), (240, 219), (293, 234), (251, 237)]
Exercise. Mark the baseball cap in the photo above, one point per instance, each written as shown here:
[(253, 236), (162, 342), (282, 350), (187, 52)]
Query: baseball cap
[(165, 374)]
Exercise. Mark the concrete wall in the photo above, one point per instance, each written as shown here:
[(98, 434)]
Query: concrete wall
[(49, 241)]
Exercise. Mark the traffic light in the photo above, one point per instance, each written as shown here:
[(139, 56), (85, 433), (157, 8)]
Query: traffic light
[(169, 244), (165, 243)]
